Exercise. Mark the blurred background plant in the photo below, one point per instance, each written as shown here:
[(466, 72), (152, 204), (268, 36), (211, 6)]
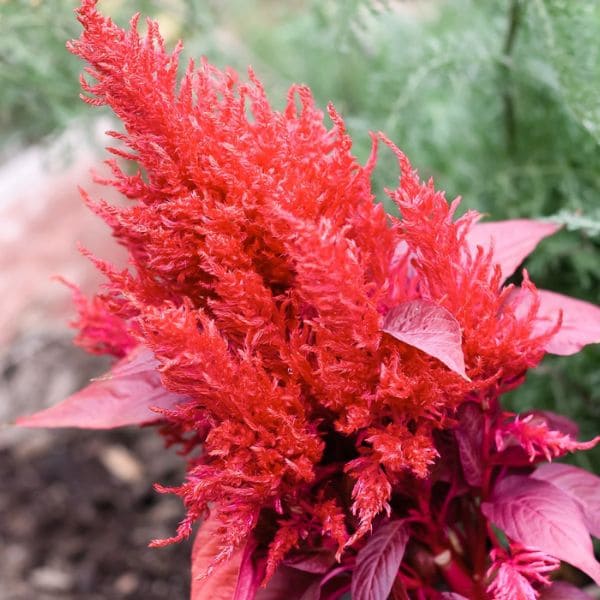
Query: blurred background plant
[(497, 100)]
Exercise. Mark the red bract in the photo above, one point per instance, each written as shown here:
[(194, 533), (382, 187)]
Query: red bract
[(322, 363)]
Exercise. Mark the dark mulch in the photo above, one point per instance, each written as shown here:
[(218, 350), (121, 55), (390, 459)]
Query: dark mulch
[(77, 508)]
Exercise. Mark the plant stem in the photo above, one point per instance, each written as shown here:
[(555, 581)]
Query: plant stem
[(457, 576), (514, 20)]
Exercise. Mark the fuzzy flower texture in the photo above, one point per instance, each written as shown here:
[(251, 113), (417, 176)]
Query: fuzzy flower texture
[(331, 372)]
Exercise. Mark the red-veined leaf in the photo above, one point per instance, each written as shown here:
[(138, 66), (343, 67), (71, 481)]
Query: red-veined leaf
[(124, 396), (469, 438), (561, 590), (512, 241), (580, 320), (312, 592), (318, 561), (430, 328), (222, 581), (287, 583), (326, 587), (539, 515), (377, 563), (251, 573), (583, 487)]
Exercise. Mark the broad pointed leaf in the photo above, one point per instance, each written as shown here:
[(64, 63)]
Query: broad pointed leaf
[(326, 587), (312, 592), (377, 563), (580, 320), (124, 396), (561, 590), (221, 583), (318, 561), (430, 328), (512, 241), (539, 515), (288, 583), (583, 487), (469, 438)]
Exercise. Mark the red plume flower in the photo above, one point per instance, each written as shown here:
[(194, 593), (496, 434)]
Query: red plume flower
[(309, 351)]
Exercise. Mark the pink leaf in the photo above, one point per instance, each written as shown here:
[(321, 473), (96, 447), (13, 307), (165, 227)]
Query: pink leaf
[(327, 587), (561, 590), (512, 241), (221, 583), (288, 583), (377, 563), (312, 592), (430, 328), (539, 515), (319, 561), (251, 573), (124, 396), (580, 320), (581, 486), (469, 438)]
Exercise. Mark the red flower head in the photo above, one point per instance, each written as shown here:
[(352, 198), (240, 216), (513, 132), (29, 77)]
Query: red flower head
[(307, 349)]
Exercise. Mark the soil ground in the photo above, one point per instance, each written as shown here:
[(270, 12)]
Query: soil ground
[(77, 508)]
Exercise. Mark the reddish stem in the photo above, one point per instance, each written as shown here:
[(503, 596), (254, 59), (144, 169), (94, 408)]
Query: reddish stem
[(481, 552), (458, 577)]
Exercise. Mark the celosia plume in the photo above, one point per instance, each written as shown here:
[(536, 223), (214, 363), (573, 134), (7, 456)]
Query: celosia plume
[(312, 350)]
